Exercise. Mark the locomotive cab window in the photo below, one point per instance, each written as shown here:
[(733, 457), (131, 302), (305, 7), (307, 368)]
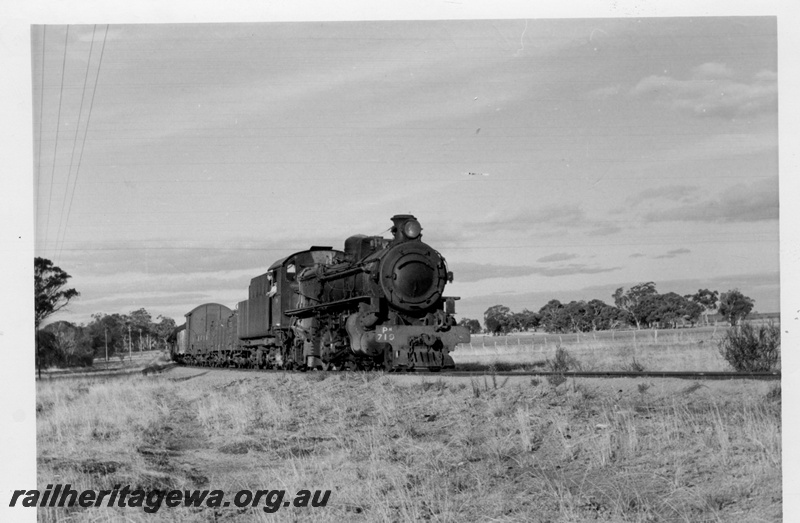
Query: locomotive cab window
[(291, 272), (273, 283)]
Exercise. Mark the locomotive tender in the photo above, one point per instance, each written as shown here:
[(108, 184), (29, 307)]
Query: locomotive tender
[(379, 303)]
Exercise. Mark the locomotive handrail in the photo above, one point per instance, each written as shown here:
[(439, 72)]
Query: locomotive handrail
[(304, 312), (349, 272)]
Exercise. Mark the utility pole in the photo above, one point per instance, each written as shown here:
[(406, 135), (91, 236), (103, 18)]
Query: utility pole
[(130, 344), (105, 332)]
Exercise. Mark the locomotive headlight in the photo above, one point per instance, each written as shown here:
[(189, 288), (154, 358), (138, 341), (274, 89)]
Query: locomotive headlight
[(412, 229)]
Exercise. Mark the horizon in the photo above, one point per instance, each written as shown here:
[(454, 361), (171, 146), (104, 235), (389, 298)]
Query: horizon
[(518, 302)]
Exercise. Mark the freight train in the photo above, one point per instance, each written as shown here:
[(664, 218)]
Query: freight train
[(377, 304)]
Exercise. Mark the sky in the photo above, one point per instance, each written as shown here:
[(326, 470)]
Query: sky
[(174, 162)]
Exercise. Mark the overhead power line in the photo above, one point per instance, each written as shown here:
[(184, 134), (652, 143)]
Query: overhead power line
[(41, 117), (58, 128), (74, 143), (85, 133)]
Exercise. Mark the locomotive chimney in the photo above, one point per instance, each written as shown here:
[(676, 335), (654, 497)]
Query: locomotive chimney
[(406, 227)]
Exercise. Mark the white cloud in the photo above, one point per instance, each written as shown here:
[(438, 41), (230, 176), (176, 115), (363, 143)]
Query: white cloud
[(673, 253), (712, 91), (740, 203), (558, 256), (669, 192), (712, 70), (528, 218), (473, 272)]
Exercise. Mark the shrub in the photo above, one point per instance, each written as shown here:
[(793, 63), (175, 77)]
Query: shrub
[(748, 348), (562, 361), (556, 379), (634, 366)]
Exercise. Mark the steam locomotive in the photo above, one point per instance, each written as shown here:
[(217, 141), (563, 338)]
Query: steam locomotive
[(378, 304)]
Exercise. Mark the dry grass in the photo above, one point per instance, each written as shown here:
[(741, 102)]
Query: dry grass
[(410, 448), (671, 350)]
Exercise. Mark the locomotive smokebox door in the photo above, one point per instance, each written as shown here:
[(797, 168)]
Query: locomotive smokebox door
[(412, 276)]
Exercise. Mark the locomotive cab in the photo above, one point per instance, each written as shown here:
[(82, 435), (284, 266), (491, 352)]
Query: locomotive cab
[(287, 295)]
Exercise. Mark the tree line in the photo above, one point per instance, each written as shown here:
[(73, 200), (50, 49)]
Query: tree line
[(112, 334), (65, 344), (641, 306)]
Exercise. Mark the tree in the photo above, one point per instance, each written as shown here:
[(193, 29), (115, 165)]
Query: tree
[(606, 316), (163, 329), (69, 347), (107, 330), (45, 349), (141, 324), (692, 311), (706, 299), (474, 326), (49, 298), (525, 320), (579, 316), (50, 295), (497, 318), (668, 309), (553, 317), (66, 336), (735, 306), (633, 301)]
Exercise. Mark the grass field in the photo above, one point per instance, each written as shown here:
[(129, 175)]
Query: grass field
[(419, 448)]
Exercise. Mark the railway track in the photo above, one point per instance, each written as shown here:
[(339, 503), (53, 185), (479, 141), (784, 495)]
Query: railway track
[(626, 374), (775, 375)]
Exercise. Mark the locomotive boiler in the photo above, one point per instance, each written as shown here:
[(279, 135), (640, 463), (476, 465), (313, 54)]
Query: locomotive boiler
[(379, 303)]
